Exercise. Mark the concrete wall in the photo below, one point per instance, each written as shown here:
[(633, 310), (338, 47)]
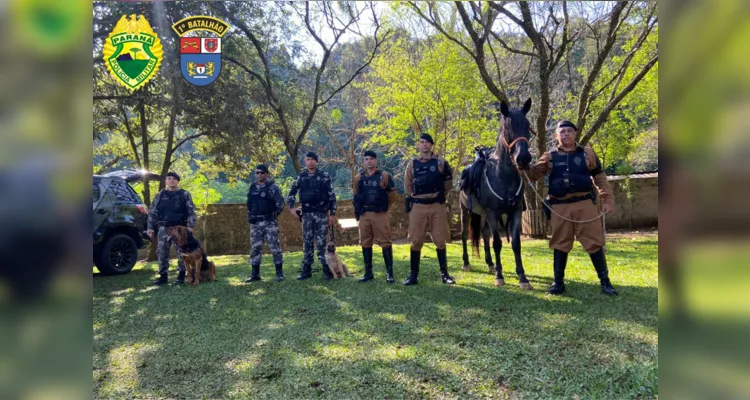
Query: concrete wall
[(224, 229), (641, 210)]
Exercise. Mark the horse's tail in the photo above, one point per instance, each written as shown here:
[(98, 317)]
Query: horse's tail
[(475, 231)]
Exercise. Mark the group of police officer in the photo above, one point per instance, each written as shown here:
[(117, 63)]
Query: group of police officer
[(427, 179)]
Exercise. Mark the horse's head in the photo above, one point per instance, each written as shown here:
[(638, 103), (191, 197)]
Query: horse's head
[(515, 133)]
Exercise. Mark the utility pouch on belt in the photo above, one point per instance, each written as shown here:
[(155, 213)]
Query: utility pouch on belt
[(546, 208), (407, 204)]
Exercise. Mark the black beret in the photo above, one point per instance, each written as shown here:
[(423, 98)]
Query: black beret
[(312, 155), (173, 175), (261, 167), (370, 153), (427, 138), (568, 124)]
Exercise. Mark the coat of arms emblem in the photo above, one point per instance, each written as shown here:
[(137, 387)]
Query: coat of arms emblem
[(133, 52), (200, 56)]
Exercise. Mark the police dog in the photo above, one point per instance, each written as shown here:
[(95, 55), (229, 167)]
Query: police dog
[(192, 254), (337, 267)]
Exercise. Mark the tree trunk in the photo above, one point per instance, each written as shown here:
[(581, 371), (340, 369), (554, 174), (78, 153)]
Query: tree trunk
[(147, 166), (532, 201)]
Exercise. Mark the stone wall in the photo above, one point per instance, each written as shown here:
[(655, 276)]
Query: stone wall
[(224, 228)]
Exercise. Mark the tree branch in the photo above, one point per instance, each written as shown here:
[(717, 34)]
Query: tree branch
[(108, 164), (584, 99), (186, 139), (440, 29), (612, 104)]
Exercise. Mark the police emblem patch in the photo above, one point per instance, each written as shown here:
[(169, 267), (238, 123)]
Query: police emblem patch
[(262, 194), (200, 56), (577, 160), (432, 169), (132, 52)]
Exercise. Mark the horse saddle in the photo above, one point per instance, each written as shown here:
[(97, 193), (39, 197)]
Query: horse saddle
[(471, 176)]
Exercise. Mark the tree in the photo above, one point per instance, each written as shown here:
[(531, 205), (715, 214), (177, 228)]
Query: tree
[(427, 87), (549, 38), (319, 82), (148, 128)]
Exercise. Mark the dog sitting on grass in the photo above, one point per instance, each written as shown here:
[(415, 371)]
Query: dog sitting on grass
[(337, 267), (195, 259)]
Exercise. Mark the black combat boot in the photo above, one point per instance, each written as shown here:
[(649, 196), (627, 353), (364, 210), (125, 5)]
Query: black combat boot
[(388, 259), (600, 264), (447, 279), (306, 272), (254, 275), (180, 278), (561, 260), (367, 257), (415, 257), (327, 275), (161, 281), (279, 272)]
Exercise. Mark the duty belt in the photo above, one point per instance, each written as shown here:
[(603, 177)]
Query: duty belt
[(553, 201), (426, 201)]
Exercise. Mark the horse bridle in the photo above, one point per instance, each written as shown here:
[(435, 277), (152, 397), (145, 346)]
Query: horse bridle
[(510, 145)]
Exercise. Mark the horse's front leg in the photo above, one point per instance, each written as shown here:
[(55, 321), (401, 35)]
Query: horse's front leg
[(486, 234), (497, 245), (465, 218), (515, 229)]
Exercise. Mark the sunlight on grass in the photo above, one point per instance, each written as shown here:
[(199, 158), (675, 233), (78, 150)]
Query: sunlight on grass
[(346, 339)]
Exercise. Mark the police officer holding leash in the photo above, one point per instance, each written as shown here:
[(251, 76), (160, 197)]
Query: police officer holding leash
[(264, 205), (318, 203), (373, 192), (171, 206), (574, 213)]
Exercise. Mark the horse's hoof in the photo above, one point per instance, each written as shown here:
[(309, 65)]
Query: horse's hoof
[(467, 268), (499, 282), (526, 286)]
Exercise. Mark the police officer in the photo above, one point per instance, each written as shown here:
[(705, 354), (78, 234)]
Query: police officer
[(571, 168), (171, 206), (426, 180), (318, 202), (264, 205), (373, 192)]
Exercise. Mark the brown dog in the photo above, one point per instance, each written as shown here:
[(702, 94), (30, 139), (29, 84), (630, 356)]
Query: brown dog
[(197, 264), (337, 267)]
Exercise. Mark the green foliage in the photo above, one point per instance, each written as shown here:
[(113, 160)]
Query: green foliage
[(616, 141), (428, 87)]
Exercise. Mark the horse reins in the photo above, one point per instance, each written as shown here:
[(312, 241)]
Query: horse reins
[(602, 215), (509, 147)]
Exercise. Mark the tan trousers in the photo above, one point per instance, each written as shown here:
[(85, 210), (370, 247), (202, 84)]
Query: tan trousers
[(425, 218), (589, 234), (375, 226)]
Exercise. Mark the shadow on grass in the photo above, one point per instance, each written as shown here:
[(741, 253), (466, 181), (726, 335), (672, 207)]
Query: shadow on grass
[(345, 339)]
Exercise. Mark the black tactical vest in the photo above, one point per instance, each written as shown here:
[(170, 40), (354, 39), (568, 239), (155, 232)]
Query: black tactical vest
[(374, 198), (312, 192), (261, 200), (427, 177), (172, 207), (569, 174)]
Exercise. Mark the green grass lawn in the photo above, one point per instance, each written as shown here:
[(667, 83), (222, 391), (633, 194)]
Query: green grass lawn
[(344, 339)]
